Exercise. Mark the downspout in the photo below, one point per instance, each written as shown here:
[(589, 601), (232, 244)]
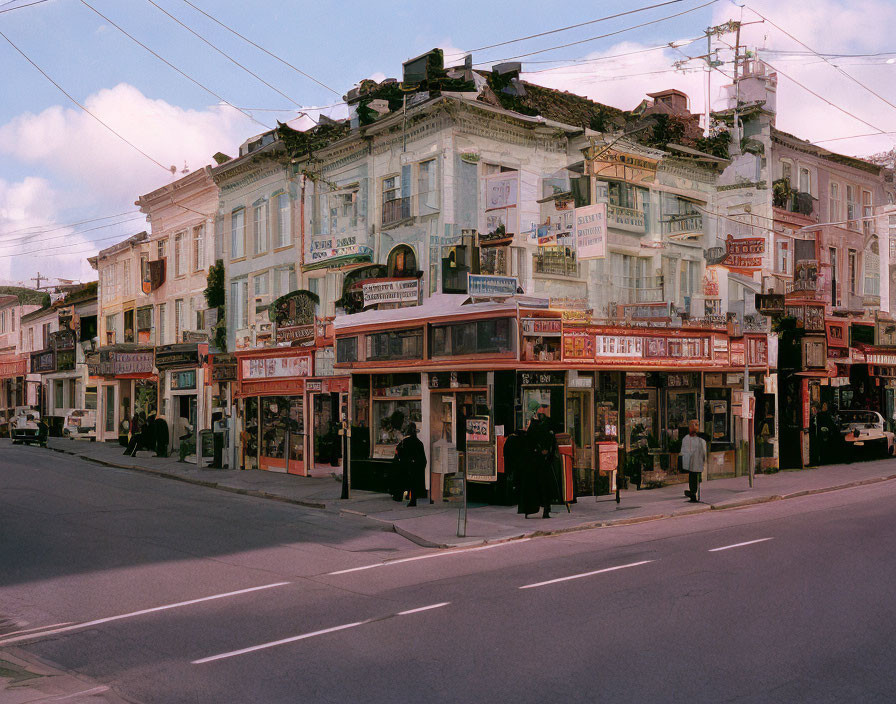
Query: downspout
[(302, 229)]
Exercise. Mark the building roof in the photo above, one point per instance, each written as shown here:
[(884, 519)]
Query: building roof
[(442, 305)]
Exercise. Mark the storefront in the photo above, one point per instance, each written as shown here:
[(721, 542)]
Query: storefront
[(270, 401), (13, 369), (62, 382), (183, 401), (126, 385), (327, 405)]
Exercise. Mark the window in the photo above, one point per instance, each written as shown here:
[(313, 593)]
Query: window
[(782, 260), (427, 189), (285, 280), (872, 271), (129, 325), (178, 318), (180, 262), (163, 324), (31, 339), (786, 170), (834, 202), (400, 344), (260, 228), (314, 285), (402, 262), (58, 394), (12, 321), (3, 322), (454, 269), (481, 336), (239, 294), (162, 249), (237, 233), (199, 248), (126, 276), (832, 259), (853, 270), (90, 398), (262, 283), (395, 207), (852, 208), (867, 212), (45, 335), (347, 349), (111, 329), (622, 194), (284, 234), (805, 180)]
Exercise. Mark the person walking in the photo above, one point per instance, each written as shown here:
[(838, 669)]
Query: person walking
[(161, 436), (411, 459), (693, 459), (133, 436), (543, 448)]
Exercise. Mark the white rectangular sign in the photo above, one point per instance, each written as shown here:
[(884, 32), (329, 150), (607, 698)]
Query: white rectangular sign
[(402, 291), (591, 231), (276, 367)]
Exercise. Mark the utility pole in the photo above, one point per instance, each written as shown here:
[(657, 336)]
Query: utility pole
[(37, 279)]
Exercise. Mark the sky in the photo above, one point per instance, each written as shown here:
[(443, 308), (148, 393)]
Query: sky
[(68, 184)]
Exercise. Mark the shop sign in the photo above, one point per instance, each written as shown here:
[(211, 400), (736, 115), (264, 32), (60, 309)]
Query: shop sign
[(737, 353), (295, 333), (885, 333), (805, 277), (326, 248), (591, 231), (114, 363), (62, 340), (715, 255), (644, 311), (876, 358), (183, 380), (489, 285), (811, 317), (814, 353), (295, 309), (541, 327), (757, 349), (770, 303), (569, 303), (609, 163), (680, 381), (478, 429), (618, 346), (43, 362), (275, 367), (223, 367), (713, 379), (501, 191), (711, 284), (194, 336), (314, 386), (179, 355), (744, 253), (394, 291), (861, 333), (541, 378), (480, 463), (578, 345)]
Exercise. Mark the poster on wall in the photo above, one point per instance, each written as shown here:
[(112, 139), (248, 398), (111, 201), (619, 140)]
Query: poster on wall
[(501, 190), (478, 429), (481, 465), (591, 231)]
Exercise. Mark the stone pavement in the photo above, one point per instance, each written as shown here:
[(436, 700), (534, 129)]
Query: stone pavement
[(436, 525)]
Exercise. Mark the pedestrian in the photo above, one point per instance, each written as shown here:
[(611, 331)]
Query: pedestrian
[(693, 459), (133, 436), (161, 435), (411, 460), (148, 435), (543, 451)]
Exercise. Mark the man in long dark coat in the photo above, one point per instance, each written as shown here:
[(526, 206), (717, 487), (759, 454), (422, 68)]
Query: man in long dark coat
[(161, 435), (543, 449), (411, 459)]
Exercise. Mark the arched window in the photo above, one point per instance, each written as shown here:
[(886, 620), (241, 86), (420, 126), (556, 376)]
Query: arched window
[(402, 261)]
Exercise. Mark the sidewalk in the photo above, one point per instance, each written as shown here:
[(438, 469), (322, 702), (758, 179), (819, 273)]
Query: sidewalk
[(435, 525)]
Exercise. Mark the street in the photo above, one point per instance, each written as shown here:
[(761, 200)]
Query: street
[(169, 592)]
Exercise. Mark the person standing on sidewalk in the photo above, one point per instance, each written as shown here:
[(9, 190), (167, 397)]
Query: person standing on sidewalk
[(693, 459), (134, 436), (411, 459), (543, 445)]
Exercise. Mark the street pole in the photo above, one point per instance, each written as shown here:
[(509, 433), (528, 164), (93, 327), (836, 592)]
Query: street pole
[(462, 511), (345, 431), (745, 406)]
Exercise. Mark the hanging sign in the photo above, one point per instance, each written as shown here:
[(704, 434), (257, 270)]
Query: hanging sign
[(744, 254), (394, 291), (591, 231), (489, 285), (276, 367)]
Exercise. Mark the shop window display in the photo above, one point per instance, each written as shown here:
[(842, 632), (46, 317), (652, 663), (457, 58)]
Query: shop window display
[(395, 403)]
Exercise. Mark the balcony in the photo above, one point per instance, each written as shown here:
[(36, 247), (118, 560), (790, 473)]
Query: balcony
[(631, 219), (555, 263), (396, 210), (644, 289), (681, 226)]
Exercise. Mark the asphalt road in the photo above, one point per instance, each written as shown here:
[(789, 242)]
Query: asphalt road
[(169, 592)]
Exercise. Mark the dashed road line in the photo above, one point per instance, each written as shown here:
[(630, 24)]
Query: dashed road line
[(430, 555), (423, 608), (585, 574), (739, 545)]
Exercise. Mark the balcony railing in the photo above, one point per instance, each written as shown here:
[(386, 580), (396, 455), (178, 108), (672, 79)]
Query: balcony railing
[(549, 263), (683, 225), (631, 219), (396, 210), (644, 289)]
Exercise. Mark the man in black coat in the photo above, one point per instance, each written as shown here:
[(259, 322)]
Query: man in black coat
[(161, 433), (543, 448), (411, 459)]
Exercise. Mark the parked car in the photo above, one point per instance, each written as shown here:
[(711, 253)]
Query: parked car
[(80, 423), (863, 434), (27, 427)]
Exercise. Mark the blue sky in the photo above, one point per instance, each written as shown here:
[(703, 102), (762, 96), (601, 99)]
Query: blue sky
[(58, 166)]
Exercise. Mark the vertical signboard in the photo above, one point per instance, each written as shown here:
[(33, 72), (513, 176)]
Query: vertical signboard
[(591, 231)]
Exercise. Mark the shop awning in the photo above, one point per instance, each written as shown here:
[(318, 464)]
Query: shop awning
[(13, 366)]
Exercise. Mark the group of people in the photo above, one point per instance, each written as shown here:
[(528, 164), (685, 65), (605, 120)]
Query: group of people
[(147, 433)]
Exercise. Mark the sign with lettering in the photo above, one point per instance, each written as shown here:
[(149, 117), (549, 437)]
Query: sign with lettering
[(591, 231), (117, 362), (488, 285), (619, 346), (43, 362), (180, 355), (295, 333), (805, 277), (224, 367), (885, 333), (610, 163), (275, 367), (541, 327), (183, 380), (293, 314), (744, 254), (645, 311), (541, 378), (578, 345), (480, 463), (323, 250), (478, 429), (392, 291), (837, 333), (501, 190), (770, 303)]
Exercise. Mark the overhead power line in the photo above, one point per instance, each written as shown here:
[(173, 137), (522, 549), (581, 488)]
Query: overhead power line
[(566, 28), (853, 136), (585, 61), (33, 238), (827, 61), (70, 97), (224, 54), (600, 36), (171, 65), (19, 7), (261, 48), (71, 224)]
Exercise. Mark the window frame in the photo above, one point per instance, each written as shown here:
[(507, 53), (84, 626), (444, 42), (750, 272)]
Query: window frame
[(236, 238), (260, 231)]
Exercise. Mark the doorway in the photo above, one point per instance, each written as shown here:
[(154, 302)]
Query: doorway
[(578, 424), (281, 434), (326, 442)]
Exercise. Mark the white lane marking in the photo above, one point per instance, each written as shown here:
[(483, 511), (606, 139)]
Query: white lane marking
[(39, 628), (88, 624), (423, 608), (87, 692), (585, 574), (426, 557), (738, 545), (275, 643)]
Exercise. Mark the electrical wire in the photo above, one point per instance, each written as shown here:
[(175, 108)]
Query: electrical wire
[(261, 48), (854, 136), (840, 70), (70, 97), (72, 224), (171, 65), (601, 36), (223, 53), (29, 238), (19, 7), (584, 61), (567, 28)]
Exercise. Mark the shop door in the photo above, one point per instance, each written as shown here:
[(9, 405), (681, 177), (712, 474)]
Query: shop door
[(109, 410), (578, 425), (640, 432), (326, 441), (185, 422), (282, 434)]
